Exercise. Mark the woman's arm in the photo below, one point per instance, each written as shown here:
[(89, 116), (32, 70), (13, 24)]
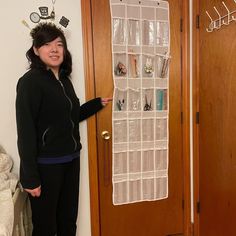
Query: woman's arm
[(92, 106), (27, 106)]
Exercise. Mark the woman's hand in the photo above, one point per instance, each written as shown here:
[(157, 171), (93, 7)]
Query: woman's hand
[(105, 101), (34, 192)]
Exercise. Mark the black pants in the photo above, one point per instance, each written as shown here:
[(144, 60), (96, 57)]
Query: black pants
[(55, 211)]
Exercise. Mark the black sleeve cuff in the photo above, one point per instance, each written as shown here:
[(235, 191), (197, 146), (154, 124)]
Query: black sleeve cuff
[(90, 108)]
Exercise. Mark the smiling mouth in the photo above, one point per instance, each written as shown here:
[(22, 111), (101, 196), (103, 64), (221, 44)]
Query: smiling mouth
[(54, 57)]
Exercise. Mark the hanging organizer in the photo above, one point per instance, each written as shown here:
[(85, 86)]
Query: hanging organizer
[(140, 52)]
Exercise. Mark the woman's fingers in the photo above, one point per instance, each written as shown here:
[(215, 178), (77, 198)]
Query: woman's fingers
[(105, 101), (34, 192)]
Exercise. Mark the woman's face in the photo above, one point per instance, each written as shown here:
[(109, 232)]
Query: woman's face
[(51, 54)]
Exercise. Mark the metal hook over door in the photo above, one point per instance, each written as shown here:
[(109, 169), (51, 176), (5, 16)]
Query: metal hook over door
[(106, 162)]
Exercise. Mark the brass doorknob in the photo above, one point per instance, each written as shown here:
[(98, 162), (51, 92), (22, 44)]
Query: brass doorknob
[(105, 135)]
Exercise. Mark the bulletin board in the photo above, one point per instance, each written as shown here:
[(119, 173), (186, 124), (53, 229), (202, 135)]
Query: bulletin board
[(140, 58)]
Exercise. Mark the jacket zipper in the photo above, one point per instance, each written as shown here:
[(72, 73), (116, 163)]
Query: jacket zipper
[(71, 106), (43, 136)]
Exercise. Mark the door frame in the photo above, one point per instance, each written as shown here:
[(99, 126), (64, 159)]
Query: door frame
[(87, 32), (195, 119)]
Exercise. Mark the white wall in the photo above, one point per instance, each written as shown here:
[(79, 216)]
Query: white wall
[(14, 42)]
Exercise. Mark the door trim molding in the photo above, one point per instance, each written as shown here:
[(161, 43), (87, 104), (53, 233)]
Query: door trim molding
[(195, 98), (87, 31), (186, 116)]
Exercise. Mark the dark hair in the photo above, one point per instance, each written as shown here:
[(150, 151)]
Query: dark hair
[(44, 33)]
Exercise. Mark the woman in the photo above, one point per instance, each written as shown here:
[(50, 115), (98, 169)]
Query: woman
[(48, 113)]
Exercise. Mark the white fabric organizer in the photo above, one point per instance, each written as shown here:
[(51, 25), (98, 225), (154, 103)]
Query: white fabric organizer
[(140, 51)]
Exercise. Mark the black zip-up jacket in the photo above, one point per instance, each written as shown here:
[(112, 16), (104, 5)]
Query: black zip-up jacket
[(48, 113)]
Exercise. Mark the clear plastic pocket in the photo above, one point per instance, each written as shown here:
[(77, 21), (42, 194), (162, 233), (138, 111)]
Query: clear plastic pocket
[(120, 163), (118, 33), (120, 103), (148, 32), (120, 64), (161, 99), (134, 190), (148, 189), (120, 192), (161, 157), (134, 100), (134, 130), (148, 99), (148, 161), (148, 66), (161, 187), (162, 38), (161, 129), (133, 32), (162, 66), (134, 162), (148, 129), (134, 66), (120, 131)]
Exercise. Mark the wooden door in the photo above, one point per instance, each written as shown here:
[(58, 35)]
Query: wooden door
[(217, 144), (155, 218)]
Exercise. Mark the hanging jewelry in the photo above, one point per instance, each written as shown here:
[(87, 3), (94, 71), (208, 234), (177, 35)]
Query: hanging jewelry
[(120, 69), (53, 10), (25, 24), (148, 66), (36, 17), (147, 106), (64, 21), (120, 104), (165, 65), (43, 11), (134, 65)]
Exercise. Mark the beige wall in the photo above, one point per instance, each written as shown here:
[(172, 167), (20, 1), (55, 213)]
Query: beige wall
[(14, 41)]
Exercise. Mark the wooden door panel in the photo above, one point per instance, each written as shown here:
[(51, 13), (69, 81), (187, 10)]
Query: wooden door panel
[(157, 218), (217, 101)]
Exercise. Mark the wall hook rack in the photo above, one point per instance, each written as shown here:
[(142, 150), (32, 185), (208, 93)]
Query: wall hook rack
[(221, 20)]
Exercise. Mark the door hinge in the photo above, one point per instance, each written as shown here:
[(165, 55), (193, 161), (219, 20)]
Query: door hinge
[(197, 117), (198, 207), (181, 24), (197, 21)]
